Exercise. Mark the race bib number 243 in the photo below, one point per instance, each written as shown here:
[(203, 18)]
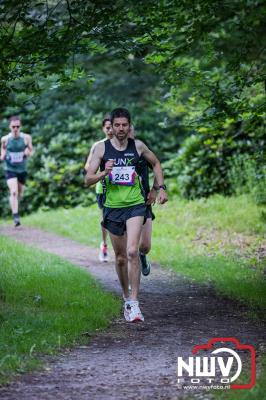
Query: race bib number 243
[(122, 176)]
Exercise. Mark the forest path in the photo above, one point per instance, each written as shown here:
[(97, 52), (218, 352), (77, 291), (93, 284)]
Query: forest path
[(133, 361)]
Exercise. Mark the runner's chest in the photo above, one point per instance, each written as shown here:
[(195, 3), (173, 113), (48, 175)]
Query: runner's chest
[(16, 145)]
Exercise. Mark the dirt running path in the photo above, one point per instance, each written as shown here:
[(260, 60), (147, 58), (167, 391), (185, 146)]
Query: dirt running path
[(133, 361)]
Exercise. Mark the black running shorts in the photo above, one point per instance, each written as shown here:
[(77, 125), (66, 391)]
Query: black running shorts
[(149, 213), (114, 219), (21, 176), (100, 200)]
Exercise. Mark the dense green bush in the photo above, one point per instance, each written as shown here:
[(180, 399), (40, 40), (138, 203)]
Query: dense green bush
[(229, 161), (248, 175)]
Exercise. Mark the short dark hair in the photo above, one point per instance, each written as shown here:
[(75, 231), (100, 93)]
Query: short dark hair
[(106, 118), (120, 113), (14, 118)]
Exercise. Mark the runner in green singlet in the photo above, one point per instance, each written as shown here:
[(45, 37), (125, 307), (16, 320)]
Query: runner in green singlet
[(16, 147), (124, 205), (107, 129)]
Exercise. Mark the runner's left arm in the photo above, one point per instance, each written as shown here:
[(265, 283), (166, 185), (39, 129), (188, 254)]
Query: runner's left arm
[(156, 166), (29, 149), (152, 194)]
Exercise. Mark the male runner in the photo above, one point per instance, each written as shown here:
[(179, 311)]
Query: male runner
[(150, 198), (107, 129), (16, 147), (124, 205)]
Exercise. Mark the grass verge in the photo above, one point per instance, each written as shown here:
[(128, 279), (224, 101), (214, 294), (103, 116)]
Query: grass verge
[(256, 393), (46, 304)]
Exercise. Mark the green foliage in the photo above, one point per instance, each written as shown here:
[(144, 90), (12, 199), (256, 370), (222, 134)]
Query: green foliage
[(212, 58), (186, 68), (212, 161), (65, 121), (212, 54), (45, 38), (247, 175)]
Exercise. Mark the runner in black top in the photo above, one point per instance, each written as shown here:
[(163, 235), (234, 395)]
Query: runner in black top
[(124, 206)]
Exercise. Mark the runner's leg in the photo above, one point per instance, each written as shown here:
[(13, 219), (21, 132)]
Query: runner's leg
[(21, 188), (145, 238), (103, 254), (134, 226), (104, 236), (145, 246), (12, 184), (119, 244)]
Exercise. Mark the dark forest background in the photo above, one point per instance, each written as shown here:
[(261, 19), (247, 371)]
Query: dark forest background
[(192, 74)]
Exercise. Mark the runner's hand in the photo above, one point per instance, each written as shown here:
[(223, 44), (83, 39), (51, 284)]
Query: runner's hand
[(109, 166), (162, 196), (151, 197)]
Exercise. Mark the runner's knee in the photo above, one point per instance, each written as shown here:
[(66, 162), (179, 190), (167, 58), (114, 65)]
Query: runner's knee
[(132, 252), (121, 260), (13, 193)]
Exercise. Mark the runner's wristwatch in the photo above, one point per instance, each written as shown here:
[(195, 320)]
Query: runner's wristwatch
[(159, 187), (162, 187)]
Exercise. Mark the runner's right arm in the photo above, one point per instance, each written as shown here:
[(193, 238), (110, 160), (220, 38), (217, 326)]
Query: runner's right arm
[(92, 176), (86, 166), (3, 148)]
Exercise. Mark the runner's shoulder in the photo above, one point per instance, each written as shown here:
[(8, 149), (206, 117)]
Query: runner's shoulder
[(26, 136), (99, 144), (98, 147), (4, 138), (140, 146)]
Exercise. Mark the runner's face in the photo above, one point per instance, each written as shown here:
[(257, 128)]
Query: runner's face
[(15, 127), (107, 128), (121, 128)]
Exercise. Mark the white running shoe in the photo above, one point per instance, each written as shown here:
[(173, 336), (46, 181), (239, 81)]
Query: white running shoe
[(132, 311), (103, 254)]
